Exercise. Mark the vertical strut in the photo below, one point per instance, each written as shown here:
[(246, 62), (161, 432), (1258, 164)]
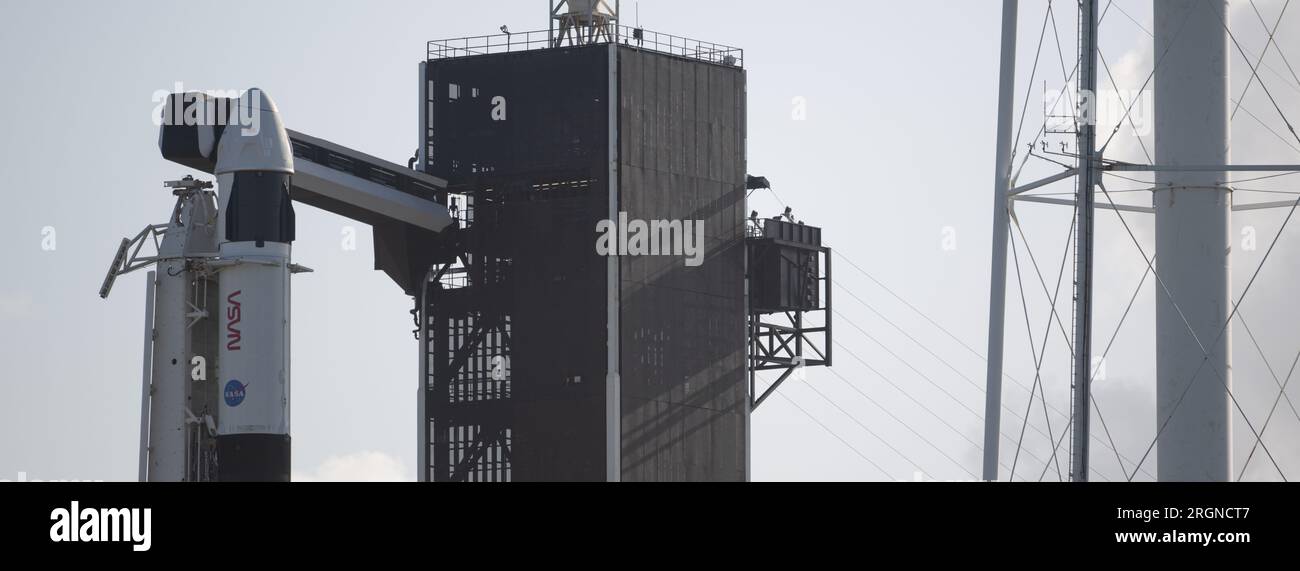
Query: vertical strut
[(1087, 143), (1001, 225)]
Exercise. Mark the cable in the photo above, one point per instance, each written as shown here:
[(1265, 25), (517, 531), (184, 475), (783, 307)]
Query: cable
[(1042, 130), (909, 336), (910, 366), (1266, 177), (1038, 364), (1260, 440), (832, 433), (1135, 22), (1269, 129), (777, 196), (1149, 183), (1064, 431), (941, 328), (1043, 282), (1038, 53), (1204, 352), (1160, 60), (1110, 443), (1115, 85), (900, 421), (909, 396), (1280, 53), (1119, 458), (864, 427), (1250, 82), (1255, 72), (1060, 54), (912, 307), (905, 363), (1242, 318), (1039, 357)]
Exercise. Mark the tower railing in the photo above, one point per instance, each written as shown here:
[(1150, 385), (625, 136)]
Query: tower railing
[(639, 38)]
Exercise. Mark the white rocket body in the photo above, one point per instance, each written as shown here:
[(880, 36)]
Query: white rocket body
[(254, 339), (254, 165)]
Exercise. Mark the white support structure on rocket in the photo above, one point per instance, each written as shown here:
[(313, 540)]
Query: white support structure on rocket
[(178, 417)]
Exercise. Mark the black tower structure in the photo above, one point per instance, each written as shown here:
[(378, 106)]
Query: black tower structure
[(542, 358)]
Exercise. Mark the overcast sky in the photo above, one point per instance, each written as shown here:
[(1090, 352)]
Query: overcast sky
[(894, 160)]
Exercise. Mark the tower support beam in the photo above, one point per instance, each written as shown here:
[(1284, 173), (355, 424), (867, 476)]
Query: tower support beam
[(1193, 216), (1001, 227)]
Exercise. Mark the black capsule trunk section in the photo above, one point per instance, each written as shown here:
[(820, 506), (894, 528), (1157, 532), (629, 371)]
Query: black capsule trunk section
[(259, 209)]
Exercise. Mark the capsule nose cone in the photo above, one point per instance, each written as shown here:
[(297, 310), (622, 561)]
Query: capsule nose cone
[(255, 97), (260, 143)]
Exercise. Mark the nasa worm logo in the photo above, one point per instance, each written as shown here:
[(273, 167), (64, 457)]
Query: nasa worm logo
[(233, 314), (235, 392)]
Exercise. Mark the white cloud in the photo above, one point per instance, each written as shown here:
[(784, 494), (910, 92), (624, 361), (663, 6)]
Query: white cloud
[(358, 467)]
